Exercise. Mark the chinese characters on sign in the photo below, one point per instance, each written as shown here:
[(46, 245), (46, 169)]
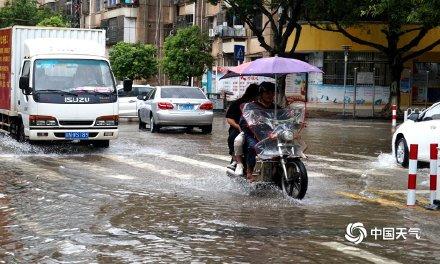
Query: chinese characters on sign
[(5, 68), (356, 233)]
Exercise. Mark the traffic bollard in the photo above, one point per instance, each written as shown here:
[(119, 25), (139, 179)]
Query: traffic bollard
[(394, 116), (433, 172), (412, 175)]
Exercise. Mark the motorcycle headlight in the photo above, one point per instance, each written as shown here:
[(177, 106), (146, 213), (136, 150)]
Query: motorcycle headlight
[(287, 135)]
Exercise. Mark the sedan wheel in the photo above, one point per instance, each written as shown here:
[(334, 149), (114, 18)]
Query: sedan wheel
[(402, 154), (153, 127)]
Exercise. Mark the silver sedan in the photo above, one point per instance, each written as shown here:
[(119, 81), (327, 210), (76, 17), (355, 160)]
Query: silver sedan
[(176, 106)]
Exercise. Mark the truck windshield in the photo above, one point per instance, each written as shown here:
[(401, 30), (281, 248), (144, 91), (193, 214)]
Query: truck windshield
[(73, 75)]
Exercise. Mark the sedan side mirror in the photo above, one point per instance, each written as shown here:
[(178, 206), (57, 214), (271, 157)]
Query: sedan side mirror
[(414, 117), (24, 85), (128, 85)]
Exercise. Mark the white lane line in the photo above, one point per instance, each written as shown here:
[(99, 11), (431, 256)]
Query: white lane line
[(357, 252), (355, 156), (150, 167), (219, 157), (193, 162), (324, 158)]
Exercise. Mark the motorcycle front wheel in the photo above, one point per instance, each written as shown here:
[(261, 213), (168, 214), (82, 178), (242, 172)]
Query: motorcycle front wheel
[(296, 185)]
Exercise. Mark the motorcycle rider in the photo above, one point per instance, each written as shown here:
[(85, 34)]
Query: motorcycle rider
[(265, 101), (233, 116)]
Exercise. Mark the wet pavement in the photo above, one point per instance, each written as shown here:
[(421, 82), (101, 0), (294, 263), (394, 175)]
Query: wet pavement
[(166, 198)]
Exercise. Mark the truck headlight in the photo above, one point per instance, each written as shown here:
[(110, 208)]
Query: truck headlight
[(287, 135), (40, 120), (107, 120)]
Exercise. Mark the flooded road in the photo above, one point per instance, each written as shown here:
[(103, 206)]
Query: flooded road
[(166, 198)]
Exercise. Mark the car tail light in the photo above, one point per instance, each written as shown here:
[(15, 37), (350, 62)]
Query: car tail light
[(206, 106), (110, 120), (40, 120), (165, 105)]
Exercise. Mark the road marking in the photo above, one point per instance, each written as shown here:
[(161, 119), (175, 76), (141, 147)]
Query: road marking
[(193, 162), (219, 157), (151, 167), (380, 201), (357, 252), (319, 157), (402, 191), (355, 156)]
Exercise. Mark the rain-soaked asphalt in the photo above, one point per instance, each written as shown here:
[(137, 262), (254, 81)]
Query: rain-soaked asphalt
[(165, 198)]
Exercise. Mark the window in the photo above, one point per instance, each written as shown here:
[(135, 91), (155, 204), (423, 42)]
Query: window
[(26, 68), (73, 75), (432, 113), (152, 94), (141, 90), (363, 61), (193, 93)]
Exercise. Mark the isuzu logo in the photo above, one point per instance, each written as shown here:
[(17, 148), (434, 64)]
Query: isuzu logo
[(76, 99)]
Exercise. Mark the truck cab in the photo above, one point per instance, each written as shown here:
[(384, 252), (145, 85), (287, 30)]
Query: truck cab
[(66, 92)]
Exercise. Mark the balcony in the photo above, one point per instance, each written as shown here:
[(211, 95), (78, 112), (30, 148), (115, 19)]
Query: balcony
[(223, 31)]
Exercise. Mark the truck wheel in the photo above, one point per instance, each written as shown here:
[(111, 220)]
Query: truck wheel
[(101, 143), (20, 136)]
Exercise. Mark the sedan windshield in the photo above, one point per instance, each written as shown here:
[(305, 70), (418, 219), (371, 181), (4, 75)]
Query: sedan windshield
[(73, 75), (192, 93)]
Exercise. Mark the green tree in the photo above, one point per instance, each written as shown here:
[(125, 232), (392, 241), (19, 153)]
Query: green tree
[(22, 12), (409, 20), (133, 61), (54, 21), (281, 16), (187, 54)]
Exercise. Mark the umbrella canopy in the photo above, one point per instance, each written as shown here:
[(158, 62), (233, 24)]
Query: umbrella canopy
[(270, 67)]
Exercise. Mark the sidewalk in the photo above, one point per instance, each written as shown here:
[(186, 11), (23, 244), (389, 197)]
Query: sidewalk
[(335, 110)]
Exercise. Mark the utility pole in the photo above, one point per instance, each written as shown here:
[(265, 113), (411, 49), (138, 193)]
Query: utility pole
[(346, 49)]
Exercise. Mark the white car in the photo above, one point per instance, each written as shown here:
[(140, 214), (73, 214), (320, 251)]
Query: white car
[(422, 129), (176, 106), (128, 100)]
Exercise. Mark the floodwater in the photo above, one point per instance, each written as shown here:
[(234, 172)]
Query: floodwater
[(166, 198)]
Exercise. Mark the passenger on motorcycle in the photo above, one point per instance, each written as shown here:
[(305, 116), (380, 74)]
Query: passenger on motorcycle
[(233, 115), (266, 96)]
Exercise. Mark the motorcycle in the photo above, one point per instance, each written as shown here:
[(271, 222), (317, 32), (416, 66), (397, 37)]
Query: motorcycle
[(279, 150)]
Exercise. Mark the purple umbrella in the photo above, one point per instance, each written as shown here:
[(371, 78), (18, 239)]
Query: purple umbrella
[(271, 67)]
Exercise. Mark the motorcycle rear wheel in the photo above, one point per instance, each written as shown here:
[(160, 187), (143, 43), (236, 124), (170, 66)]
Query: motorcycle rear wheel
[(296, 185)]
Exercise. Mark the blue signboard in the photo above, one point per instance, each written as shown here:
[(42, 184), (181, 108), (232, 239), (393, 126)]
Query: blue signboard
[(239, 52)]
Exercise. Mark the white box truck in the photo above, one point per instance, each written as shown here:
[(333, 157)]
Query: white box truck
[(56, 85)]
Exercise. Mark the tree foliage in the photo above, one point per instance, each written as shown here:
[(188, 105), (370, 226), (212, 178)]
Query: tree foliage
[(187, 54), (281, 16), (23, 12), (409, 20), (54, 21), (133, 61)]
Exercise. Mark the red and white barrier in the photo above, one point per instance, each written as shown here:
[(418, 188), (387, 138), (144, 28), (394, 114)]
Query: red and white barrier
[(433, 171), (437, 196), (394, 115), (412, 174)]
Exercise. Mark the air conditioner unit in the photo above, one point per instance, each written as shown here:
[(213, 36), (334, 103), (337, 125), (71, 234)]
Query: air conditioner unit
[(211, 32)]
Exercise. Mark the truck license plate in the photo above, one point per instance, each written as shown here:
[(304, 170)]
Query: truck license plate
[(77, 135)]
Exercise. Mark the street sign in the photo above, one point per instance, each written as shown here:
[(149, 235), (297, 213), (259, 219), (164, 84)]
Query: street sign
[(239, 52)]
